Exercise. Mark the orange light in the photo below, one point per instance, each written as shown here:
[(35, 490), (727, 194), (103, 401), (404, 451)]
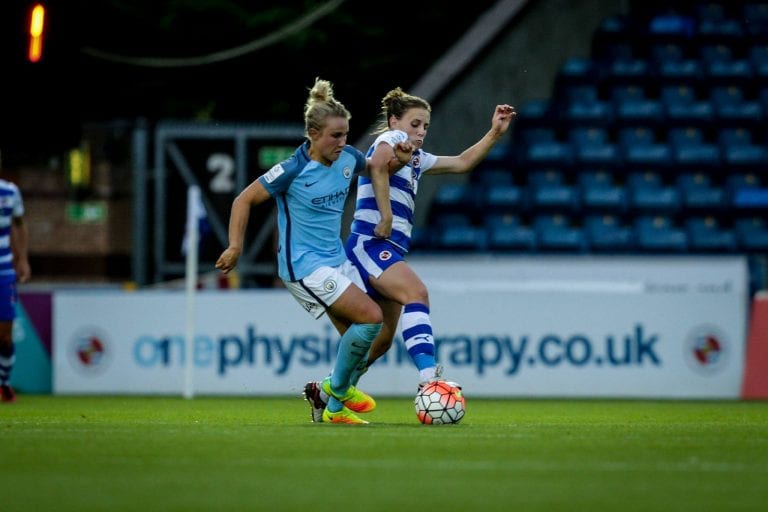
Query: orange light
[(36, 27)]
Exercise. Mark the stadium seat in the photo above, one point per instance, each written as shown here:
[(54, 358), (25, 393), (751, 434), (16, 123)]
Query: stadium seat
[(733, 109), (600, 192), (683, 107), (577, 71), (461, 238), (719, 31), (686, 72), (549, 191), (533, 113), (593, 148), (503, 199), (606, 233), (557, 232), (633, 107), (699, 194), (742, 157), (752, 233), (648, 193), (493, 177), (660, 234), (657, 155), (455, 198), (595, 112), (666, 52), (691, 151), (759, 59), (505, 233), (706, 234), (627, 70)]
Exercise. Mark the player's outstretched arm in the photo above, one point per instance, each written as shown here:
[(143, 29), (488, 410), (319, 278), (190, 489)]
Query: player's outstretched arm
[(473, 155), (254, 194)]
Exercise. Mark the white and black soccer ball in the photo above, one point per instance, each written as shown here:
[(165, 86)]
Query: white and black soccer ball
[(440, 403)]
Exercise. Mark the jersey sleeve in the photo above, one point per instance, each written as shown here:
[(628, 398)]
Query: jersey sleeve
[(360, 161), (390, 137), (277, 179)]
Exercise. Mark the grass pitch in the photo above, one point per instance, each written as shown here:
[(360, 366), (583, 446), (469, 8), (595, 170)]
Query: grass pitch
[(253, 454)]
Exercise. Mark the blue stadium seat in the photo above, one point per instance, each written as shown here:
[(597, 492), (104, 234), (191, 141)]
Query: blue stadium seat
[(607, 233), (657, 155), (536, 112), (459, 238), (577, 71), (493, 177), (600, 192), (753, 199), (627, 70), (660, 234), (720, 31), (557, 233), (683, 107), (547, 154), (648, 194), (549, 191), (758, 56), (455, 198), (506, 233), (503, 199), (588, 112), (687, 72), (706, 234), (592, 147), (733, 109), (741, 157), (752, 233), (734, 137), (633, 107), (696, 156), (668, 52), (699, 194)]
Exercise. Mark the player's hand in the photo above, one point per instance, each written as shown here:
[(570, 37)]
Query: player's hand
[(404, 152), (502, 117), (228, 259), (383, 229)]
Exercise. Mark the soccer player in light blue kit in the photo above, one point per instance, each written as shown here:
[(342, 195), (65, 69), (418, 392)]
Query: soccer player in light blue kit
[(14, 267), (310, 189), (379, 241)]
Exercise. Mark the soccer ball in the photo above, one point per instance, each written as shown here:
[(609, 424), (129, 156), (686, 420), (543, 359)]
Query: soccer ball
[(440, 403)]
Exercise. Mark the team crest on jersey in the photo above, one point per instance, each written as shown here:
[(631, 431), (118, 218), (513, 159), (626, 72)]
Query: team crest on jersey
[(274, 173), (416, 161), (347, 172), (329, 285), (385, 255)]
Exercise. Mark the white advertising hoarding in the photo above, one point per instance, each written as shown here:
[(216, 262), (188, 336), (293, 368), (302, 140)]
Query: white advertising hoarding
[(511, 327)]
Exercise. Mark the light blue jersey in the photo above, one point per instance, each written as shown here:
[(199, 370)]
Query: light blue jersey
[(11, 205), (403, 186), (310, 204)]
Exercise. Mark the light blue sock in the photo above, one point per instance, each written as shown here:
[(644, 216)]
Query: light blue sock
[(353, 348), (359, 370)]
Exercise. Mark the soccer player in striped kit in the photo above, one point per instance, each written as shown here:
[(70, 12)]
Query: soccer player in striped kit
[(378, 243), (14, 267)]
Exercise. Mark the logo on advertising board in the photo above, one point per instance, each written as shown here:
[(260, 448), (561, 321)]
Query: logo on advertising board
[(89, 351), (706, 350)]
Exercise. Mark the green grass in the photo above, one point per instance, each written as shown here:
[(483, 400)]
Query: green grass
[(252, 454)]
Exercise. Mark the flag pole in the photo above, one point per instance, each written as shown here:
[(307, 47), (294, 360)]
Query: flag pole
[(193, 202)]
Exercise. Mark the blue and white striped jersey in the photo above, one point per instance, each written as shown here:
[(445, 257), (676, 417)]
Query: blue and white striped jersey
[(11, 205), (403, 186), (310, 204)]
